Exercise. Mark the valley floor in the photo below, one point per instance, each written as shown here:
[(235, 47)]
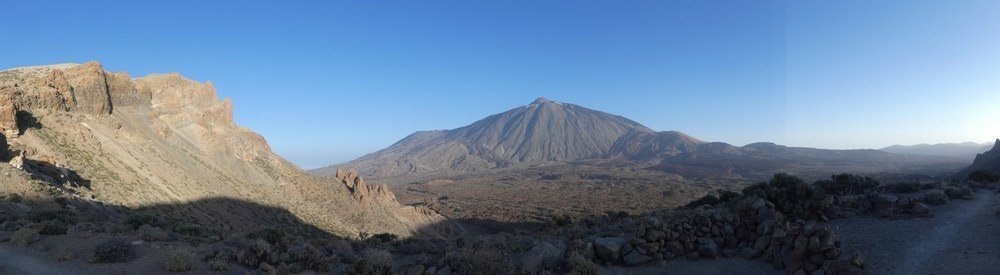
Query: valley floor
[(959, 238)]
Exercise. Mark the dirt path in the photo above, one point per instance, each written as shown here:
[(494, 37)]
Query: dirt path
[(12, 262), (960, 238)]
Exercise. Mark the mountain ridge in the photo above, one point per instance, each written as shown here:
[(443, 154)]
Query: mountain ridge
[(163, 139), (501, 141), (542, 131)]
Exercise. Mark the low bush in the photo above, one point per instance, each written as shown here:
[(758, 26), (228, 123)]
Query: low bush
[(578, 265), (936, 197), (115, 250), (153, 234), (984, 176), (479, 261), (218, 265), (847, 184), (15, 198), (138, 220), (62, 216), (65, 255), (791, 196), (902, 188), (374, 262), (53, 228), (190, 229), (384, 237), (964, 193), (255, 253), (25, 237), (179, 261), (269, 235)]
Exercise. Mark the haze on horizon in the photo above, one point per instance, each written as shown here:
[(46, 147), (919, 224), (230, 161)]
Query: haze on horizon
[(328, 82)]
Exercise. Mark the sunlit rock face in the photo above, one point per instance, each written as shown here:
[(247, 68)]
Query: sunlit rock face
[(164, 139)]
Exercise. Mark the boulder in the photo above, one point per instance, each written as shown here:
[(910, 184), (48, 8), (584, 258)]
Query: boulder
[(543, 254), (920, 209), (609, 249), (635, 258), (708, 248)]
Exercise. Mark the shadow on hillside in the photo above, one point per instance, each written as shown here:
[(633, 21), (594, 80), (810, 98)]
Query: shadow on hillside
[(227, 215), (25, 121), (59, 176), (5, 153)]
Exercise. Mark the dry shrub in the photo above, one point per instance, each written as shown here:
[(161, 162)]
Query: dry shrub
[(25, 237), (179, 261), (115, 250), (479, 261), (373, 262), (791, 196), (579, 265), (936, 197)]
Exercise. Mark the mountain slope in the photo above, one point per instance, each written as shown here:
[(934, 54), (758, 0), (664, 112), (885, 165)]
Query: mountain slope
[(966, 149), (677, 153), (164, 139), (543, 131), (989, 160)]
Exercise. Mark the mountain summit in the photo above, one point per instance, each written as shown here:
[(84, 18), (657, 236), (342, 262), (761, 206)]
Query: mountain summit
[(543, 131)]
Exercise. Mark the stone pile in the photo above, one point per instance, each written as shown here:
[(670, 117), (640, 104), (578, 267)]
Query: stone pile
[(756, 231)]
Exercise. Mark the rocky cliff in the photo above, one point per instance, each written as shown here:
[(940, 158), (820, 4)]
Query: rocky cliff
[(989, 160), (166, 139)]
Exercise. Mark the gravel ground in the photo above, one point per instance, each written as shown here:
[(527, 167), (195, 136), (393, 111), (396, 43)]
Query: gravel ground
[(960, 238)]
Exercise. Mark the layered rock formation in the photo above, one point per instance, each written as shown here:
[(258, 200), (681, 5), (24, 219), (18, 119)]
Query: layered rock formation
[(165, 140)]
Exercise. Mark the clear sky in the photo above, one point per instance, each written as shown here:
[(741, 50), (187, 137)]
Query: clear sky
[(328, 81)]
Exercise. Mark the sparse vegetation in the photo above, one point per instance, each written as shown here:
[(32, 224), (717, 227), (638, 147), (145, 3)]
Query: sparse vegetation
[(25, 237), (52, 228), (902, 187), (478, 261), (847, 184), (138, 220), (114, 250), (269, 235), (936, 197), (791, 195), (984, 176), (374, 262), (179, 261), (578, 265)]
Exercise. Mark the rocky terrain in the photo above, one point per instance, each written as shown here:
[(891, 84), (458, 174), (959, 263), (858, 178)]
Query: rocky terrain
[(166, 144)]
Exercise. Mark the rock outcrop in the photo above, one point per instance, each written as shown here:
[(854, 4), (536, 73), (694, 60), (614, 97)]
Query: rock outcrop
[(136, 142), (989, 160), (8, 116), (90, 89), (362, 192)]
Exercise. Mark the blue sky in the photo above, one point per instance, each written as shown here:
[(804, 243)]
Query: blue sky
[(328, 81)]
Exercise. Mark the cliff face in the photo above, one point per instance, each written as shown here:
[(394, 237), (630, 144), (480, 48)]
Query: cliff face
[(166, 139), (989, 160)]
